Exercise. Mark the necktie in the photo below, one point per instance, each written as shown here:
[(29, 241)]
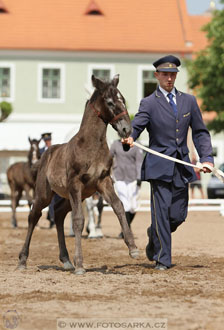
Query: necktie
[(172, 103)]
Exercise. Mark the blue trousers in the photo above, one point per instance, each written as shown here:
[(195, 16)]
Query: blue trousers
[(169, 205), (50, 215)]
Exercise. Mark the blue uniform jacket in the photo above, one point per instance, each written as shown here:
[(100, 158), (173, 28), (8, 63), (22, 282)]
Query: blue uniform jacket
[(168, 134)]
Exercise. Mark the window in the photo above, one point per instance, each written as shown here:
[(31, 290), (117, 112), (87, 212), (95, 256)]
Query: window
[(214, 151), (6, 81), (51, 83), (102, 71), (147, 83), (218, 150), (103, 74)]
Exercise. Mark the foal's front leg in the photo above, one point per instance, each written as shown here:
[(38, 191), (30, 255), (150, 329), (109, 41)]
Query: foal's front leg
[(107, 189), (78, 225)]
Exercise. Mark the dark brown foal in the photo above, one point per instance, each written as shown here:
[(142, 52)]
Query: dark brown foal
[(77, 169)]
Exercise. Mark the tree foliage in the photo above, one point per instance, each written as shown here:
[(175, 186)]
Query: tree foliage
[(6, 109), (206, 72)]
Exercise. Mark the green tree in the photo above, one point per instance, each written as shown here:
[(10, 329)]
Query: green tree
[(206, 72), (6, 109)]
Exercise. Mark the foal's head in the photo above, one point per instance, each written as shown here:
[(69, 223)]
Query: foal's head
[(111, 105), (34, 152)]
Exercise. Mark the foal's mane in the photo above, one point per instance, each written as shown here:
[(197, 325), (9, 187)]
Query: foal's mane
[(94, 96)]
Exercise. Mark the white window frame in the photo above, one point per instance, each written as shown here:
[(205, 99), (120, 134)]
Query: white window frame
[(59, 66), (91, 67), (12, 68), (142, 68)]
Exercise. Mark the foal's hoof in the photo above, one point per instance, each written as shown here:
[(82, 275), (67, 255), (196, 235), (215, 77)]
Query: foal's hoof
[(134, 253), (14, 224), (80, 271), (68, 266), (21, 267)]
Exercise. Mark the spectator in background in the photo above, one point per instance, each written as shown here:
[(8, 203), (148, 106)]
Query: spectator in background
[(196, 183), (127, 173), (46, 137)]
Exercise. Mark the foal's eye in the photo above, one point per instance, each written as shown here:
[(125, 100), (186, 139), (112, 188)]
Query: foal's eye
[(110, 103)]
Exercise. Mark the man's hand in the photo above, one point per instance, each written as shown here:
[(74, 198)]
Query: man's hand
[(128, 141), (205, 169)]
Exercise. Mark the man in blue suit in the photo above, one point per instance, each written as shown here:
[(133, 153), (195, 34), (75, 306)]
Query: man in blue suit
[(167, 115)]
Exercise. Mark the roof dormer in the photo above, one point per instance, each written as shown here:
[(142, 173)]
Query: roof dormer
[(93, 9), (3, 9)]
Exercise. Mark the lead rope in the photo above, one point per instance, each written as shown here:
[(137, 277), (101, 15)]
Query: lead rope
[(218, 173)]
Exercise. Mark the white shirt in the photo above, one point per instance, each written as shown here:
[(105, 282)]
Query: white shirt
[(165, 93)]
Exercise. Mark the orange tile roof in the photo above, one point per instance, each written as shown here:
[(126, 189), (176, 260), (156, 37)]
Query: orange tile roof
[(126, 25)]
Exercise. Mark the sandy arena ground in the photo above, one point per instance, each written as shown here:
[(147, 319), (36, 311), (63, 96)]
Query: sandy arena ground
[(115, 287)]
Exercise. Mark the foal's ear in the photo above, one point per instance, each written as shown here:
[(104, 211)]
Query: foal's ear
[(97, 83), (115, 80), (29, 140)]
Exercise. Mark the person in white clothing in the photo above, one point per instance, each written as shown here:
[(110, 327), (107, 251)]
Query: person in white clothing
[(126, 173)]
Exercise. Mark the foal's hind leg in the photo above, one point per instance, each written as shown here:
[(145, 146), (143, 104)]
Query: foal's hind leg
[(108, 192), (61, 208)]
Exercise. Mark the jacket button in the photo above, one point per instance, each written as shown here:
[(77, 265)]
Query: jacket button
[(177, 139), (177, 130), (177, 121)]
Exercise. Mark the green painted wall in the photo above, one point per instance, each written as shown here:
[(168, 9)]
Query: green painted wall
[(76, 78)]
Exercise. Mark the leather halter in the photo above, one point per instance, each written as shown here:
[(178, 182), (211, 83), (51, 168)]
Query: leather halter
[(115, 118), (123, 113)]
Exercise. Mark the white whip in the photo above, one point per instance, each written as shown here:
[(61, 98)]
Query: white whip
[(218, 173)]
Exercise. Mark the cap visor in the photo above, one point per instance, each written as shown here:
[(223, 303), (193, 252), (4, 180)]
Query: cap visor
[(168, 70)]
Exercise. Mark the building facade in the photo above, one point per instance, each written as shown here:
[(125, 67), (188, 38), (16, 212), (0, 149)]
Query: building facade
[(50, 49)]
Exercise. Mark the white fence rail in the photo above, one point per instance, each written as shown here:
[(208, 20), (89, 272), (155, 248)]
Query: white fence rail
[(144, 205), (194, 205), (5, 206)]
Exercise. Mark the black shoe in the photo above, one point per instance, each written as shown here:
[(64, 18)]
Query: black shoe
[(51, 225), (149, 247), (160, 266)]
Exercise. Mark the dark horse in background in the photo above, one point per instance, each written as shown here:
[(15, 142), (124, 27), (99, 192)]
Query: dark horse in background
[(77, 169), (20, 178)]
